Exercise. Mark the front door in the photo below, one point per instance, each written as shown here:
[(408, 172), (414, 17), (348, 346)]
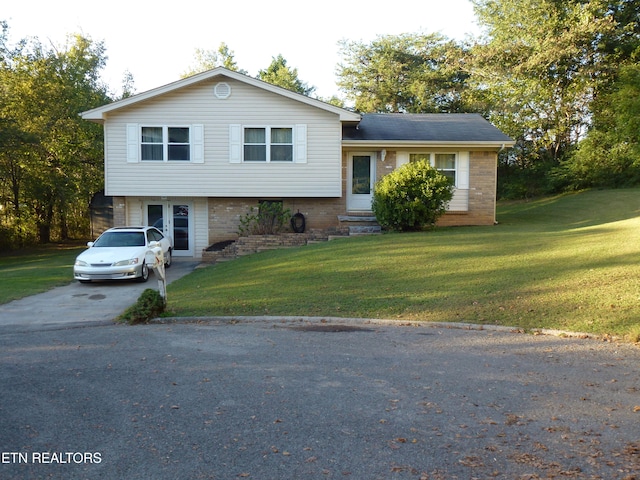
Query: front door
[(360, 182), (174, 220)]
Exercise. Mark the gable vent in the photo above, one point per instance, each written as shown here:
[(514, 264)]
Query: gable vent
[(222, 90)]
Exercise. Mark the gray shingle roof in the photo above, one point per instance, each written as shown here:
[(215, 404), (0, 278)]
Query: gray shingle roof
[(436, 127)]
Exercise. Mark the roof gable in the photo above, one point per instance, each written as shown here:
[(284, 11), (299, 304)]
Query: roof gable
[(425, 128), (99, 114)]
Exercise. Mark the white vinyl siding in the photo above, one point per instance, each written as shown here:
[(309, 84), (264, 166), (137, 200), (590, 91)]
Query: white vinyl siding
[(218, 171)]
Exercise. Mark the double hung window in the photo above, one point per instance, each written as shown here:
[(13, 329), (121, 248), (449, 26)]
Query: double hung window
[(445, 163), (163, 144), (268, 144)]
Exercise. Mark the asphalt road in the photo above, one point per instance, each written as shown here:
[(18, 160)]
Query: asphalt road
[(291, 400)]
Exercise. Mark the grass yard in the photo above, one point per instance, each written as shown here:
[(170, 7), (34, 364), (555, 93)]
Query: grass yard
[(36, 270), (567, 262)]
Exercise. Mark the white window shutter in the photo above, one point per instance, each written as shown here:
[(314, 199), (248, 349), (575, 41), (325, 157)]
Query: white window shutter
[(235, 143), (300, 149), (401, 158), (197, 143), (133, 143), (463, 170)]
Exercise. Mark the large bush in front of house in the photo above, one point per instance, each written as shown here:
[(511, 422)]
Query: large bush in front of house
[(411, 197)]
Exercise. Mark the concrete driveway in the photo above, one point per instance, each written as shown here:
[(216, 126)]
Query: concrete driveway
[(81, 304)]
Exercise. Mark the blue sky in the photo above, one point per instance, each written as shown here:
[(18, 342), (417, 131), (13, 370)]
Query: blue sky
[(156, 41)]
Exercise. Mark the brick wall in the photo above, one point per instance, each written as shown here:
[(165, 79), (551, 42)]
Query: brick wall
[(225, 214), (482, 193), (482, 187), (119, 211)]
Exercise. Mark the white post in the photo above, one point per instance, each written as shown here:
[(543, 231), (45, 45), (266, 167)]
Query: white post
[(158, 268)]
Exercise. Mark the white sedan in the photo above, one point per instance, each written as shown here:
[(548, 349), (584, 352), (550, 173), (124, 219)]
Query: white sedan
[(119, 254)]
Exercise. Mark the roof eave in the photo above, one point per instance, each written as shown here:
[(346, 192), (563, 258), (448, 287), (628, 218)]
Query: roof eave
[(99, 114), (492, 144)]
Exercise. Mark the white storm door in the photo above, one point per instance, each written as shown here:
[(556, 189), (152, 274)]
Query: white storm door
[(360, 181), (175, 220)]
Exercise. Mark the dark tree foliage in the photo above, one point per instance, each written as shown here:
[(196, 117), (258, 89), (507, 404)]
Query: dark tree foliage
[(410, 73), (51, 161)]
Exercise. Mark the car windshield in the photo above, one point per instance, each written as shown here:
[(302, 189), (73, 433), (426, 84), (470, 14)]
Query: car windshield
[(120, 239)]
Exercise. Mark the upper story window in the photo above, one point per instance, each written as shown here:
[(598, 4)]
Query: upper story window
[(165, 144), (268, 144), (445, 163)]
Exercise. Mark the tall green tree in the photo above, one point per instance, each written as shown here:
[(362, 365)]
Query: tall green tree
[(609, 156), (280, 74), (210, 59), (55, 164), (412, 73), (538, 69)]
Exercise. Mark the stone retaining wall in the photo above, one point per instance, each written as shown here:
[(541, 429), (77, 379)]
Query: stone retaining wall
[(259, 243)]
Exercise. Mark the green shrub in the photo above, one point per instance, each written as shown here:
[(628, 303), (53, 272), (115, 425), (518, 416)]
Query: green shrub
[(411, 197), (150, 304), (270, 219)]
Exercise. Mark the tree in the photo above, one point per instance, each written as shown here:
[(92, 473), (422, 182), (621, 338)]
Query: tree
[(610, 154), (128, 85), (411, 197), (55, 163), (537, 71), (412, 73), (210, 59), (280, 74)]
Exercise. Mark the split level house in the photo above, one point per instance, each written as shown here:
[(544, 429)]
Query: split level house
[(193, 157)]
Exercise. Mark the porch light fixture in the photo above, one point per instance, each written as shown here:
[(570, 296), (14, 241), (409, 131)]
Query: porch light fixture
[(383, 155)]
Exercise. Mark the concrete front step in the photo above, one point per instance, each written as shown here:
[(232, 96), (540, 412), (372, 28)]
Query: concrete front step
[(360, 224), (356, 219), (364, 229)]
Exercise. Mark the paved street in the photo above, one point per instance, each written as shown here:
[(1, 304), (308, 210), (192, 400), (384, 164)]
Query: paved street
[(313, 400)]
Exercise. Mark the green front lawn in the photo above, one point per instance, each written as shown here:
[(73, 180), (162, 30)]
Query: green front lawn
[(568, 262), (36, 270)]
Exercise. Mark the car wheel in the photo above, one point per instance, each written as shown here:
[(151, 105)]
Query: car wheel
[(144, 273), (167, 259)]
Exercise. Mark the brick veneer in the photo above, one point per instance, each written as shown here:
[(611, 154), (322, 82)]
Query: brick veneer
[(482, 193), (225, 214), (322, 213), (119, 211)]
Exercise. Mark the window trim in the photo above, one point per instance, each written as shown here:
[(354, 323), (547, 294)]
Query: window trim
[(432, 162), (166, 144), (268, 143)]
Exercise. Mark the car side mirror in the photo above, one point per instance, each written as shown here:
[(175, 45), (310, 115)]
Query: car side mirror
[(89, 244)]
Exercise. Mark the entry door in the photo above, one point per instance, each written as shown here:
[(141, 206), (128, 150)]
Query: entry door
[(360, 182), (174, 220)]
